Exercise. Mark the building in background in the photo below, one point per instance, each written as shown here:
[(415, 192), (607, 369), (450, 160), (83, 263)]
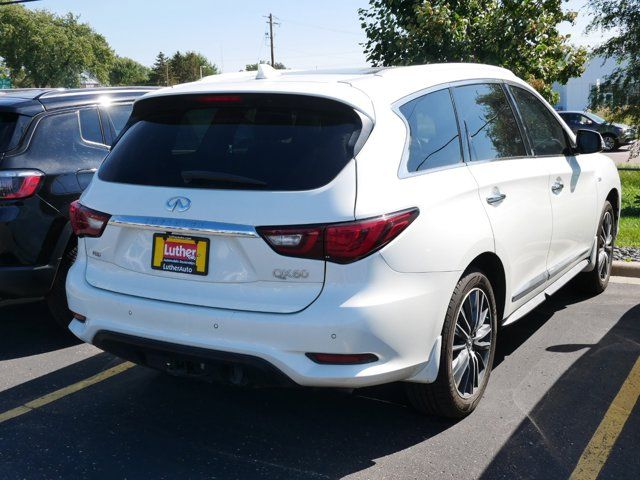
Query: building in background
[(87, 81), (574, 95)]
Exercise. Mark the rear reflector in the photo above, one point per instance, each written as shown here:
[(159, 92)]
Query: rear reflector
[(80, 318), (87, 222), (338, 242), (342, 359), (17, 184)]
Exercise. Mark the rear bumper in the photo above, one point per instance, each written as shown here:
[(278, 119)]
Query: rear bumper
[(396, 316), (25, 282), (33, 239)]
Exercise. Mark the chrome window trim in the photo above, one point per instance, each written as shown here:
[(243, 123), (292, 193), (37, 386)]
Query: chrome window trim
[(84, 140), (183, 226), (403, 171), (555, 114)]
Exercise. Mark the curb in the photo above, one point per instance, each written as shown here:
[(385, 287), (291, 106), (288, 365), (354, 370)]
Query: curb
[(625, 269)]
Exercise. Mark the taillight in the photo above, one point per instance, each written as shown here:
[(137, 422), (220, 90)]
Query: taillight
[(338, 242), (17, 184), (87, 222)]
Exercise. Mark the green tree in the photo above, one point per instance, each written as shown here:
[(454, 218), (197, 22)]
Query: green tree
[(44, 49), (621, 90), (521, 35), (190, 66), (160, 74), (126, 71), (250, 67)]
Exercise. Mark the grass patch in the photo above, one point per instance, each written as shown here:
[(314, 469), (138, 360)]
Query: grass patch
[(629, 235)]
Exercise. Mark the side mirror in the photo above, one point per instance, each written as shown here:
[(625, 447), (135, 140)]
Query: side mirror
[(588, 141)]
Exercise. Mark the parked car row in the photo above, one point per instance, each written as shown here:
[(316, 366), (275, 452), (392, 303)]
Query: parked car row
[(338, 229)]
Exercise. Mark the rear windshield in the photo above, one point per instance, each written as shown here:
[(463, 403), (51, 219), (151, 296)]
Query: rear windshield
[(11, 128), (255, 141)]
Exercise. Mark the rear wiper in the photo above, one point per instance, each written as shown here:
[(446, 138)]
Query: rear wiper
[(199, 175)]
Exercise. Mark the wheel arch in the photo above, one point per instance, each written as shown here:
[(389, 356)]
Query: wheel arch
[(614, 199), (491, 265)]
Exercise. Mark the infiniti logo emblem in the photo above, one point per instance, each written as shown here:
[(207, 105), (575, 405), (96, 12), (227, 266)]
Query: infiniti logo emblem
[(178, 204)]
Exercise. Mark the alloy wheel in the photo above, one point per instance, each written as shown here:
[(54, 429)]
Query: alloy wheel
[(609, 143), (471, 342), (605, 246)]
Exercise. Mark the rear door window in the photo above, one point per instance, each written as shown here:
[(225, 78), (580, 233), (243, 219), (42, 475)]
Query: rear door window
[(57, 139), (252, 141), (543, 129), (488, 122), (434, 139)]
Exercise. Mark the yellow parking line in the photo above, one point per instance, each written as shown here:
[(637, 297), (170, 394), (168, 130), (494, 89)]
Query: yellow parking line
[(595, 455), (63, 392)]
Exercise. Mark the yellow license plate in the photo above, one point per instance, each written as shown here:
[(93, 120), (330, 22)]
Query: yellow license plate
[(180, 254)]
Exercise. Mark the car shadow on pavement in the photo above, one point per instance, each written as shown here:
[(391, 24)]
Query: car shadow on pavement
[(27, 329), (512, 336), (144, 424), (550, 441)]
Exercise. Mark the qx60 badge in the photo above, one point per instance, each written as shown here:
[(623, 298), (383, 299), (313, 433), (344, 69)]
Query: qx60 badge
[(283, 274), (178, 204)]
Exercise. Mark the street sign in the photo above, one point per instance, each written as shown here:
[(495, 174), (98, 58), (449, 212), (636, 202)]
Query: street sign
[(5, 83)]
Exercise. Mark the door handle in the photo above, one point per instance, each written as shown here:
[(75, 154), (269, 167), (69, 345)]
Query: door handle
[(495, 197), (557, 186)]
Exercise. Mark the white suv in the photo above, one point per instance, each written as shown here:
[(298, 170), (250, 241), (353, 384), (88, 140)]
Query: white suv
[(339, 229)]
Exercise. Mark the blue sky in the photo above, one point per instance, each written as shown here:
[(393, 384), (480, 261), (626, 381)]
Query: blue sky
[(231, 33)]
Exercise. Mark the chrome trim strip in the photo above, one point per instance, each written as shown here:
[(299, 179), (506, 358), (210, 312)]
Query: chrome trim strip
[(179, 225), (530, 286), (548, 275), (556, 269)]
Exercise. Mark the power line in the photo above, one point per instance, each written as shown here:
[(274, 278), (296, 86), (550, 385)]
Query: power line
[(13, 2)]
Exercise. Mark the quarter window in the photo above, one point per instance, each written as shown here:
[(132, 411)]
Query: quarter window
[(90, 125), (434, 136), (488, 122), (545, 132)]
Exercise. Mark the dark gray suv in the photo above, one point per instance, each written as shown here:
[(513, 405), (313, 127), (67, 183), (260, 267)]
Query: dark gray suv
[(51, 143), (614, 134)]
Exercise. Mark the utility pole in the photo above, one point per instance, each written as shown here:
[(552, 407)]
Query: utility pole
[(271, 24)]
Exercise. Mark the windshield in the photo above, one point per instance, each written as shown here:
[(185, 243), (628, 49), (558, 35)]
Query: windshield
[(253, 141), (595, 117)]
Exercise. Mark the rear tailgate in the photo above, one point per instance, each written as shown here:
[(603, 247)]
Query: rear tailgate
[(186, 189)]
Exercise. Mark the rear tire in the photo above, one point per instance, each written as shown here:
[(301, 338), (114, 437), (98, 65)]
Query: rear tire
[(466, 356), (57, 298), (597, 280)]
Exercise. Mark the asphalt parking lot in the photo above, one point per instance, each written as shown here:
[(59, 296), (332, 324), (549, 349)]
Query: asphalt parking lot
[(622, 156), (557, 373)]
